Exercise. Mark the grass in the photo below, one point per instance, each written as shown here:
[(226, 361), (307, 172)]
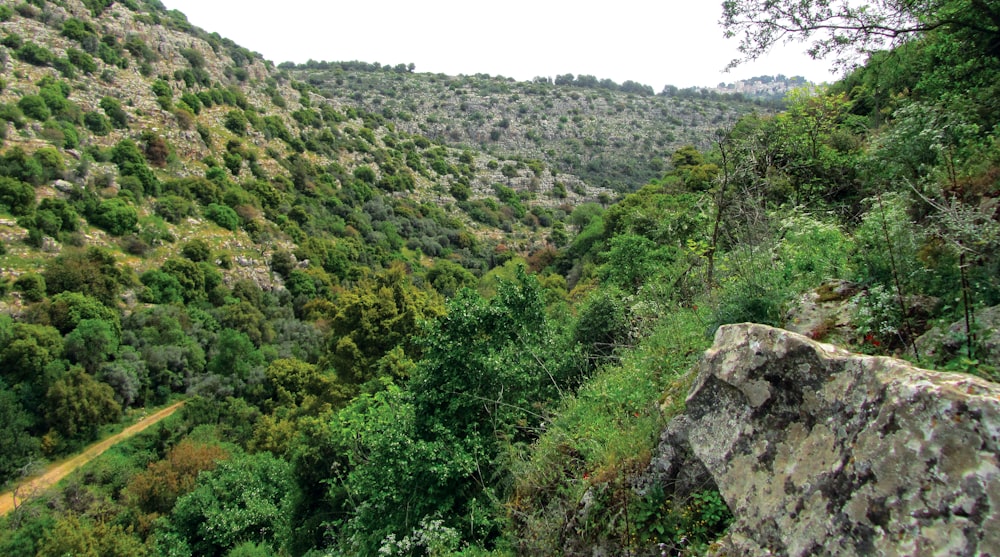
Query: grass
[(608, 431)]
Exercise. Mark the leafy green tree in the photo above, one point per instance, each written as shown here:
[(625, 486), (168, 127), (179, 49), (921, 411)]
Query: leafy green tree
[(28, 351), (66, 310), (19, 446), (223, 216), (73, 535), (395, 478), (236, 122), (77, 404), (196, 250), (849, 29), (161, 287), (190, 276), (376, 316), (33, 106), (242, 500), (93, 271), (97, 123), (85, 62), (448, 278), (117, 216), (31, 286), (631, 260), (15, 163), (245, 317), (234, 355), (486, 362), (91, 343), (16, 196)]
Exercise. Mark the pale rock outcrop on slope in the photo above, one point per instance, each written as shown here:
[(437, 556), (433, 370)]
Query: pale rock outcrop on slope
[(819, 451)]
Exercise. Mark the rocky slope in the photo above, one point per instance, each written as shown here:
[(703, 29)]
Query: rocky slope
[(607, 136)]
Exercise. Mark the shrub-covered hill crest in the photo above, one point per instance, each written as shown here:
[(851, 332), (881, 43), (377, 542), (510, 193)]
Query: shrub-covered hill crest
[(128, 128), (609, 135)]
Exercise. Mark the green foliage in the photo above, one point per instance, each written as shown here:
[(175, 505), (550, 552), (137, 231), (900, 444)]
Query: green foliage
[(91, 343), (16, 197), (223, 216), (604, 324), (611, 424), (679, 525), (35, 54), (116, 216), (19, 446), (372, 319), (631, 260), (93, 272), (33, 106), (67, 310), (449, 278), (234, 355), (77, 404), (31, 286), (754, 290), (72, 535), (113, 109), (160, 287), (97, 123), (236, 122), (242, 500)]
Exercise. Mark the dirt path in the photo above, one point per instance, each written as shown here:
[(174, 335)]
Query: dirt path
[(55, 472)]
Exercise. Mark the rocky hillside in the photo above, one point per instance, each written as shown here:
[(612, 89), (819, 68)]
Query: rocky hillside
[(127, 106), (608, 135)]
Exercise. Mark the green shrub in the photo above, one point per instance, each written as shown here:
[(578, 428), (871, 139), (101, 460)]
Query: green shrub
[(116, 216), (113, 108), (32, 286), (16, 196), (35, 54), (236, 122), (81, 60), (222, 215), (33, 106), (97, 123)]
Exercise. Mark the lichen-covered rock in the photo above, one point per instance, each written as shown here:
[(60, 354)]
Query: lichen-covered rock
[(819, 451)]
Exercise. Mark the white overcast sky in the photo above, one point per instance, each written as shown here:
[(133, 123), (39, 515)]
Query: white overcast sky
[(676, 42)]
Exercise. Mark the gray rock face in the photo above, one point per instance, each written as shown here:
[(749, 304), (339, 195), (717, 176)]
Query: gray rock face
[(819, 451)]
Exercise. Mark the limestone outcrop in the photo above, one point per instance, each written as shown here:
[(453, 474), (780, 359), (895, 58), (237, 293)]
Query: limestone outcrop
[(819, 451)]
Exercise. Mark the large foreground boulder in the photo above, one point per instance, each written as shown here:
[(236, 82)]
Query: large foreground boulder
[(819, 451)]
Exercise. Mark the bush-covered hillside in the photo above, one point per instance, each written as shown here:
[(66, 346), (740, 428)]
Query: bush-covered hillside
[(610, 135), (392, 345)]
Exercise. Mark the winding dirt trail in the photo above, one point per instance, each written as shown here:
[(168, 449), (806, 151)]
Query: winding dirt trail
[(55, 472)]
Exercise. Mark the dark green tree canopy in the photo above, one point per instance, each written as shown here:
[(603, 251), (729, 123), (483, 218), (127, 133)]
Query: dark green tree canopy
[(850, 29)]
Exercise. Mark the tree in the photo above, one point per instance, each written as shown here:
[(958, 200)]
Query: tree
[(77, 404), (242, 500), (378, 315), (234, 355), (851, 29), (91, 343), (16, 196), (93, 272), (116, 216), (19, 446), (157, 488)]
